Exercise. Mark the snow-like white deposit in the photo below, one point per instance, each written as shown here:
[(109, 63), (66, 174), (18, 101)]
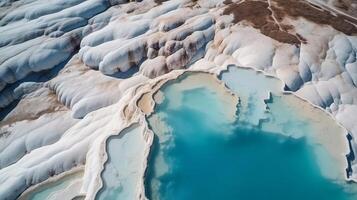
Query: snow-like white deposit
[(72, 73)]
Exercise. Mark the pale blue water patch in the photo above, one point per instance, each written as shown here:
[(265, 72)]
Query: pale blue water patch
[(252, 88), (123, 170), (201, 156), (264, 101), (45, 191)]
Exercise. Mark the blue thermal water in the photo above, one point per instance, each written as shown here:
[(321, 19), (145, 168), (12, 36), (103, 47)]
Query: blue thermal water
[(46, 191), (204, 157), (121, 171)]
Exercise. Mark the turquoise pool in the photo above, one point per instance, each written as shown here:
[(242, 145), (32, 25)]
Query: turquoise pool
[(201, 154)]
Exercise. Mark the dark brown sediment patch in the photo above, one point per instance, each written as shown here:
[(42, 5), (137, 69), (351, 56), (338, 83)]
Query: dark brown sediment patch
[(255, 12), (227, 2), (346, 6), (342, 4), (269, 19), (259, 14), (299, 8), (159, 2)]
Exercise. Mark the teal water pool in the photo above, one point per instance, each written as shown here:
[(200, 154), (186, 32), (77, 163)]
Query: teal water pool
[(47, 192), (202, 154), (65, 187), (123, 169)]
